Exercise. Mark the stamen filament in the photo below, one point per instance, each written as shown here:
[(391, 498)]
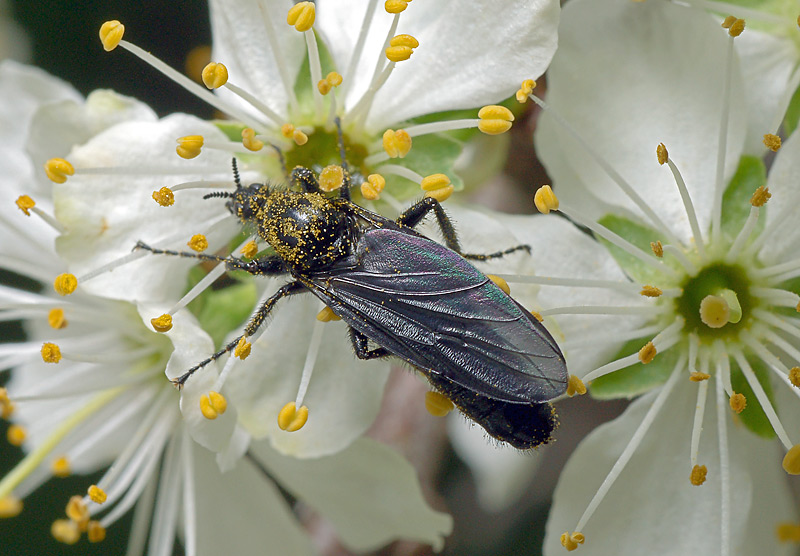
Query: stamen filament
[(617, 285), (401, 171), (154, 171), (776, 296), (724, 471), (689, 207), (697, 425), (189, 499), (743, 235), (165, 517), (311, 359), (315, 69), (722, 146), (602, 310), (361, 110), (253, 100), (589, 340), (723, 366), (682, 259), (781, 370), (786, 98), (48, 219), (778, 321)]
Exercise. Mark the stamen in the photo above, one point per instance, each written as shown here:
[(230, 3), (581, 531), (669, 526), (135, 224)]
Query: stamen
[(61, 467), (301, 16), (58, 169), (65, 531), (111, 33), (724, 468), (437, 186), (791, 461), (737, 402), (545, 200), (525, 90), (308, 367), (495, 119), (163, 323), (55, 318), (25, 203), (359, 47), (16, 435), (502, 284), (95, 532), (397, 144), (327, 315), (372, 187), (297, 135), (651, 291), (164, 197), (331, 178), (438, 404), (616, 285), (570, 541), (314, 65), (212, 405), (249, 250), (794, 376), (76, 510), (772, 142), (188, 147), (51, 353), (697, 428), (698, 475), (10, 506), (291, 419), (243, 348), (395, 6), (788, 532), (215, 75), (401, 47), (575, 386), (97, 494), (657, 248), (776, 296), (198, 243), (685, 197)]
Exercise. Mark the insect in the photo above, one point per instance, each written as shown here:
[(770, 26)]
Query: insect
[(410, 296)]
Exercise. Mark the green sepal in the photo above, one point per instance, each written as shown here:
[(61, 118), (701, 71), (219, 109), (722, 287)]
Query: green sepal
[(637, 378), (750, 175), (753, 416), (641, 236)]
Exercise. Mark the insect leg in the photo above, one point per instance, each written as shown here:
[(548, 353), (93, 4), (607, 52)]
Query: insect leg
[(306, 179), (266, 265), (255, 323), (360, 346)]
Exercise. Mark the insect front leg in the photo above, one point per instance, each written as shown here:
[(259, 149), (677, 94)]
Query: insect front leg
[(361, 346)]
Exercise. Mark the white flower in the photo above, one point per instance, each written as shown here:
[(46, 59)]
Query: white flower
[(690, 296)]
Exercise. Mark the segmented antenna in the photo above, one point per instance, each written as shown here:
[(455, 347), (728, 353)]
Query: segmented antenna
[(236, 173), (219, 195)]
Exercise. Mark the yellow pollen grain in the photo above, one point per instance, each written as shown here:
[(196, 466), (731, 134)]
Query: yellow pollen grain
[(250, 141), (301, 16), (189, 146), (395, 6), (495, 119), (291, 419), (545, 200), (55, 318), (16, 435), (214, 75), (10, 506), (51, 353), (95, 532), (575, 386), (25, 204), (164, 197), (397, 144), (242, 350), (647, 353), (76, 509), (760, 197), (65, 531), (698, 475), (58, 169), (163, 323), (249, 250), (788, 532), (438, 404), (791, 461), (772, 142), (662, 154), (331, 178), (110, 34), (738, 402), (714, 311), (65, 284), (372, 188), (697, 376), (570, 541), (500, 283), (650, 291), (657, 248), (198, 243), (97, 494), (794, 376), (61, 467), (736, 28), (299, 137), (327, 315)]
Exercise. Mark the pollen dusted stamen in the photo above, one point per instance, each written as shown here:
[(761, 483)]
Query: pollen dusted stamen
[(438, 404), (525, 90), (663, 157), (651, 291), (698, 475), (647, 353), (570, 541), (575, 386), (291, 419), (10, 506), (331, 178), (164, 197), (738, 402), (16, 435), (25, 203), (97, 494), (295, 134), (772, 142), (198, 243), (657, 248), (65, 531), (794, 376), (95, 532), (51, 353)]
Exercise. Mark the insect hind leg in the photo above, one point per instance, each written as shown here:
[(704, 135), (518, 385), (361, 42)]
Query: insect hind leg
[(361, 346), (264, 266)]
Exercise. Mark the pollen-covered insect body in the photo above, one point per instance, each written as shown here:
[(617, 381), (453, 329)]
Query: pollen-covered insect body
[(409, 296)]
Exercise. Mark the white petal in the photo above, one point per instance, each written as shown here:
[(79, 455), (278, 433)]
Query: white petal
[(662, 67), (368, 491), (653, 502), (344, 394), (469, 54), (242, 512), (782, 183)]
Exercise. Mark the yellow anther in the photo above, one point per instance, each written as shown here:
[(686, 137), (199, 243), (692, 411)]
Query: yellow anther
[(95, 532), (299, 137), (396, 143), (163, 323), (657, 248), (10, 506), (772, 142), (442, 194), (788, 532), (242, 350), (250, 141), (77, 510), (55, 318), (97, 494), (51, 353), (404, 40), (65, 531), (545, 200), (190, 146), (196, 59), (651, 291), (760, 197), (525, 90), (395, 6), (214, 75), (61, 467), (736, 28), (323, 87), (662, 154), (212, 405), (500, 283), (65, 284), (291, 419), (728, 21), (570, 541), (791, 461), (331, 178), (697, 376), (164, 197), (111, 33), (302, 16), (401, 47), (334, 79), (327, 315), (738, 402), (16, 435), (249, 250), (537, 316), (495, 119), (647, 353), (575, 386), (287, 130), (434, 181), (794, 376), (6, 406), (438, 404), (372, 188), (57, 169), (25, 204), (198, 243), (698, 475), (714, 311)]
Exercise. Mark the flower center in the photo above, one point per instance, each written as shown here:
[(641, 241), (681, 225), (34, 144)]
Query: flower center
[(726, 282), (322, 149)]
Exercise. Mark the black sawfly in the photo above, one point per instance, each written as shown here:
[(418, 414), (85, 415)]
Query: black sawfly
[(409, 295)]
